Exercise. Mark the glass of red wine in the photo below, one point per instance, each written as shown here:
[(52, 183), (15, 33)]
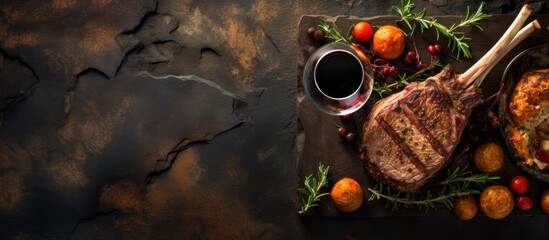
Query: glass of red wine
[(336, 80)]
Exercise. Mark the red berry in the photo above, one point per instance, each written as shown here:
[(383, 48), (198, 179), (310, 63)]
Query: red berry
[(319, 35), (420, 65), (311, 32), (434, 49), (393, 71), (542, 155), (350, 137), (341, 131), (409, 58), (384, 71), (519, 184), (345, 117), (406, 60), (438, 48), (524, 202), (411, 55), (431, 49)]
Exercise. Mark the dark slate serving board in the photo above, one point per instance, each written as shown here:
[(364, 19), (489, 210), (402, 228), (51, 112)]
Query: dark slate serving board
[(317, 140)]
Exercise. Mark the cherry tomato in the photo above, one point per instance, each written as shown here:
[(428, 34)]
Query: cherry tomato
[(544, 201), (519, 184), (524, 202), (362, 32)]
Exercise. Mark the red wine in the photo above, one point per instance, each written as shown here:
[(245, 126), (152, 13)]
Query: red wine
[(339, 74)]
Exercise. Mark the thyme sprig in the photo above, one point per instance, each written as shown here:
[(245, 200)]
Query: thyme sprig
[(457, 39), (335, 34), (458, 182), (313, 187)]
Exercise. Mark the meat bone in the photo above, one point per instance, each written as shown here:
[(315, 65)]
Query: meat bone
[(460, 95), (511, 38)]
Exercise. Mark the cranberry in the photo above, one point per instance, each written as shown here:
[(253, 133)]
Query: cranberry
[(385, 71), (311, 32), (434, 49), (350, 137), (411, 55), (409, 58), (542, 155), (341, 131), (519, 184), (319, 35), (393, 71), (420, 65), (524, 202), (438, 48), (345, 117)]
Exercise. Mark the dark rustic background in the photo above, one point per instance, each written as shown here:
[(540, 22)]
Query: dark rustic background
[(174, 120)]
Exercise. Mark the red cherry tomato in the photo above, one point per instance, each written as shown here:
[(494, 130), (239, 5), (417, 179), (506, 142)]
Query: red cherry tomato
[(519, 184), (524, 202), (362, 32)]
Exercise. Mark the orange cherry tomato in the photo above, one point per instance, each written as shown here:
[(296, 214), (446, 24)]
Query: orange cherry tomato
[(544, 201), (388, 42), (347, 195), (362, 32)]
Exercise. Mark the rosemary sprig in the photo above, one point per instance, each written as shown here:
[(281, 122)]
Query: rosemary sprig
[(457, 39), (457, 183), (334, 33), (426, 200), (464, 175), (312, 188), (403, 80)]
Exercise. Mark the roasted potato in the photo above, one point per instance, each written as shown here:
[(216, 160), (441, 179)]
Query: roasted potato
[(489, 157), (496, 201), (466, 207)]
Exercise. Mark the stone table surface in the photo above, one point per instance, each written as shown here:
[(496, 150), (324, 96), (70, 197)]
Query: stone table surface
[(175, 120)]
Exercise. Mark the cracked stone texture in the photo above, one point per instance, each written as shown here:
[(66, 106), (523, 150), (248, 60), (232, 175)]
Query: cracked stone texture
[(164, 119)]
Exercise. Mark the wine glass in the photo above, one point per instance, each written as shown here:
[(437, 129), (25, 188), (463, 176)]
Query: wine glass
[(337, 80)]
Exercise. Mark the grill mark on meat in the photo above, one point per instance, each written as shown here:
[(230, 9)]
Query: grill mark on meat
[(443, 106), (400, 143), (411, 115)]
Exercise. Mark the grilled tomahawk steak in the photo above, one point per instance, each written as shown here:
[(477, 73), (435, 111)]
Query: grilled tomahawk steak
[(409, 136)]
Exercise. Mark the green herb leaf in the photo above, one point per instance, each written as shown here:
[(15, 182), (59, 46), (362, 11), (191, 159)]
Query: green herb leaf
[(313, 187), (456, 184), (456, 38)]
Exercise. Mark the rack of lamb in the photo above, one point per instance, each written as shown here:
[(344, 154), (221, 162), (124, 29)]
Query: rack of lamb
[(409, 136)]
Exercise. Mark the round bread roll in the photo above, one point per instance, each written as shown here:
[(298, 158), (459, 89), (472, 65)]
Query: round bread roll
[(496, 201)]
